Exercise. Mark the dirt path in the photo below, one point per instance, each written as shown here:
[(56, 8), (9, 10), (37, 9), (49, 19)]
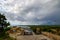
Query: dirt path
[(33, 37), (30, 37)]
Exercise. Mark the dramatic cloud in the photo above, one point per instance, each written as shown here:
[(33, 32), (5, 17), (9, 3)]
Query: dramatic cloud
[(27, 12)]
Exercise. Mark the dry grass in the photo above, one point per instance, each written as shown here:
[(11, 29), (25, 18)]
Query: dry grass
[(52, 36)]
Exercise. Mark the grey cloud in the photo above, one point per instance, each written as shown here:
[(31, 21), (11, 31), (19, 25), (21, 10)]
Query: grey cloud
[(41, 12)]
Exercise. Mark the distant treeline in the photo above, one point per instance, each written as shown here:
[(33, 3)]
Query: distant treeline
[(44, 25), (57, 26)]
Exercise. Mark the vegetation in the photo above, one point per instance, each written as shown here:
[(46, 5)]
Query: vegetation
[(4, 28), (55, 29)]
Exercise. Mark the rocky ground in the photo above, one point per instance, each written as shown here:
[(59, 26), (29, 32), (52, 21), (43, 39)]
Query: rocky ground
[(33, 37), (30, 37)]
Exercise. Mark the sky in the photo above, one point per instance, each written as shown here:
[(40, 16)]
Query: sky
[(31, 12)]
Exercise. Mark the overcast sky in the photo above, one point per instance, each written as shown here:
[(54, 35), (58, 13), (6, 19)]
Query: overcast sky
[(31, 12)]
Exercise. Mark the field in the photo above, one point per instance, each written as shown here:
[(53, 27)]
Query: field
[(47, 32)]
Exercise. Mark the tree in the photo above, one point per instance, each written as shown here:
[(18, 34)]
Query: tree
[(3, 22)]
